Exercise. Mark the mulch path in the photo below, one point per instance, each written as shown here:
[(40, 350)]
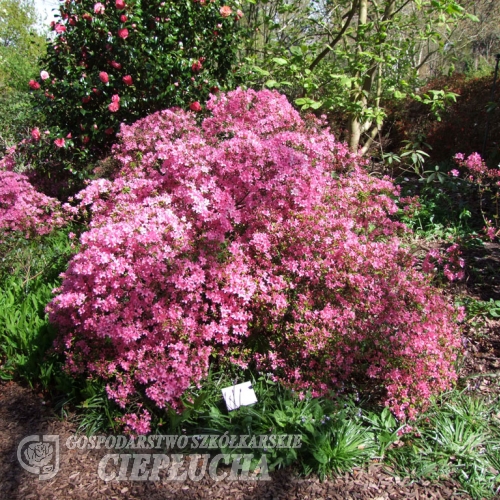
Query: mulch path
[(23, 413)]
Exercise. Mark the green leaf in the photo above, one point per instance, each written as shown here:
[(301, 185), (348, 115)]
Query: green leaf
[(280, 61), (271, 84)]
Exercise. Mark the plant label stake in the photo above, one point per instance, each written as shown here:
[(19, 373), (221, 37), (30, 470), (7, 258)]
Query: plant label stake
[(239, 395)]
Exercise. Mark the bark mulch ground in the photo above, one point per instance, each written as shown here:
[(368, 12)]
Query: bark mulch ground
[(23, 413)]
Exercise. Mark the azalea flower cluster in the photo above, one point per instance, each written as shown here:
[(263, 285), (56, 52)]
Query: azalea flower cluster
[(254, 238), (450, 259), (24, 209), (488, 181)]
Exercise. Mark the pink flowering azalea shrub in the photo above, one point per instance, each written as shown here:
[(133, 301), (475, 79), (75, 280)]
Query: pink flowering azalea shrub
[(449, 259), (254, 238), (22, 207), (487, 181)]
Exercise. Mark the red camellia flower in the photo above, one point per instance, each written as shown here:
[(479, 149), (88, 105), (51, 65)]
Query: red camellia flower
[(60, 28), (34, 85), (72, 21), (60, 142), (120, 4), (115, 98), (108, 131), (127, 80), (103, 76), (196, 67), (123, 18), (35, 133), (123, 33), (87, 16), (85, 139), (86, 99), (114, 107), (115, 64), (195, 106)]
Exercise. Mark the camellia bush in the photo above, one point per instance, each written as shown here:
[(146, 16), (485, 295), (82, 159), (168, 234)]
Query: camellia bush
[(116, 61), (256, 239)]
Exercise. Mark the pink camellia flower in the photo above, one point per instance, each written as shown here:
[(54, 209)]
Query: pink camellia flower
[(99, 8), (103, 76), (225, 11), (34, 85), (239, 14), (123, 18), (114, 106), (115, 98), (35, 133), (60, 28), (123, 33), (127, 80), (120, 4), (195, 106), (44, 75), (68, 136), (60, 142), (115, 64)]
